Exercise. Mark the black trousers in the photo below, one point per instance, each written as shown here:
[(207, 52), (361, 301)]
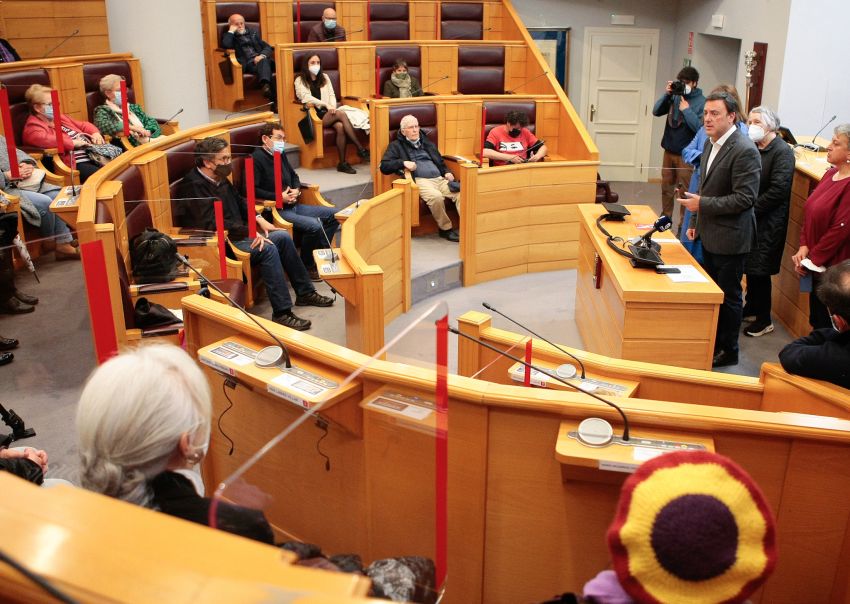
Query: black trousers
[(727, 270), (818, 313), (759, 291), (264, 70)]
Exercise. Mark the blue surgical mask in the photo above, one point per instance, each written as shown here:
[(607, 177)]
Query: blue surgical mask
[(278, 146), (330, 23), (48, 111), (117, 100)]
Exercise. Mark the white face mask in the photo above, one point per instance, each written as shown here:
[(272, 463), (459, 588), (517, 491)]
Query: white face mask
[(314, 69), (756, 133), (688, 89)]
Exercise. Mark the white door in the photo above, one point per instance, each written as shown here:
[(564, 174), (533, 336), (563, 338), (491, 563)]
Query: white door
[(617, 97)]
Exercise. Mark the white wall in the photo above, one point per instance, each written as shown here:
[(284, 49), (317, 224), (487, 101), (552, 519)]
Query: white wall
[(815, 83), (166, 36), (723, 66)]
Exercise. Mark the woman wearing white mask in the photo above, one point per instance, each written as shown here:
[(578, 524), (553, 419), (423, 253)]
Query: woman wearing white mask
[(774, 197), (143, 424), (109, 118), (313, 86)]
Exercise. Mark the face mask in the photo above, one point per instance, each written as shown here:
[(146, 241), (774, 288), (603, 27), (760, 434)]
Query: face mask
[(413, 141), (118, 98), (223, 170), (314, 69), (48, 111), (688, 89), (278, 146), (756, 133), (402, 75), (515, 132), (330, 23)]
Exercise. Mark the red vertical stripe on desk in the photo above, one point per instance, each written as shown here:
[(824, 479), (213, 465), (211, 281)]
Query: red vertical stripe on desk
[(378, 76), (57, 122), (219, 227), (125, 108), (100, 306), (483, 132), (14, 168), (442, 452), (278, 180), (251, 198), (527, 373), (298, 19)]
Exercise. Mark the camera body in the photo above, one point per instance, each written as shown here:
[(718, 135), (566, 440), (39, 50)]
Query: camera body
[(677, 87)]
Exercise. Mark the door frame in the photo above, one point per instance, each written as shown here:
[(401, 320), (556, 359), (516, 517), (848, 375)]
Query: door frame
[(645, 128)]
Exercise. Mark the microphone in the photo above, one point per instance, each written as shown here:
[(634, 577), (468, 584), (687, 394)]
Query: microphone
[(356, 31), (664, 223), (521, 326), (334, 257), (229, 115), (529, 366), (175, 115), (19, 429), (459, 36), (434, 82), (813, 146), (528, 82), (270, 355), (65, 39)]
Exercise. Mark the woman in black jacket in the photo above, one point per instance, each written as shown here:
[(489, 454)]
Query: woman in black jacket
[(774, 197)]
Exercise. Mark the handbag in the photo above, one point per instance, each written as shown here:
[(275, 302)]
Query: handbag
[(150, 314), (154, 257), (103, 154), (33, 183), (305, 125)]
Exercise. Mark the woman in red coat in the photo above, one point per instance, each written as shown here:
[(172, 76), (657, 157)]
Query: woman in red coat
[(39, 131)]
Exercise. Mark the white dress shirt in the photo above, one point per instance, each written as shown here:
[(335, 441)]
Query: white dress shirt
[(715, 146)]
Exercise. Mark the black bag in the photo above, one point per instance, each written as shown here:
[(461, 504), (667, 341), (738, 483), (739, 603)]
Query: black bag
[(306, 128), (150, 314), (154, 257)]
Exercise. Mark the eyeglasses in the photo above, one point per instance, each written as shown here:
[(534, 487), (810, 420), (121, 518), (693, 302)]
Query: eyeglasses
[(224, 160)]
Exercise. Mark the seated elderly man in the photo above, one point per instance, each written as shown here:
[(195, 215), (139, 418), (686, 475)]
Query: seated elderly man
[(308, 221), (414, 152), (511, 143), (824, 354), (328, 30), (273, 250), (254, 54)]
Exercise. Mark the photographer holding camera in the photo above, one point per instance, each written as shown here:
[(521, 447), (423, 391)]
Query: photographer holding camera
[(682, 103)]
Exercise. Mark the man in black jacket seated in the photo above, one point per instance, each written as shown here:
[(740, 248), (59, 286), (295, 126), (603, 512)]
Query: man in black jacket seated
[(308, 221), (252, 52), (413, 151), (824, 354), (273, 250)]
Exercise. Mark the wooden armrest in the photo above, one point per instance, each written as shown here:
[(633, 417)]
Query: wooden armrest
[(280, 222), (311, 196), (157, 288), (164, 330), (240, 255)]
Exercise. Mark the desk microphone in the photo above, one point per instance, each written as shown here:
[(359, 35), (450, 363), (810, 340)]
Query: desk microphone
[(65, 39), (424, 88), (529, 366), (175, 115), (269, 356), (521, 326), (813, 146), (334, 257), (664, 223), (545, 73), (337, 37), (229, 115)]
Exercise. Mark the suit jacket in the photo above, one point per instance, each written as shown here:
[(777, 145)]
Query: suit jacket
[(726, 221)]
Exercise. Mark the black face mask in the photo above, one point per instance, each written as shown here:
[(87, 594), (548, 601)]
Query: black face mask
[(223, 170), (515, 132)]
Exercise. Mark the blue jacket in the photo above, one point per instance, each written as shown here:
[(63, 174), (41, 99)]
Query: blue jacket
[(681, 125)]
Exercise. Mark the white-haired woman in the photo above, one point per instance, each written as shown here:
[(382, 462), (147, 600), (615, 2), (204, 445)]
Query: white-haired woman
[(774, 198), (109, 118), (143, 423)]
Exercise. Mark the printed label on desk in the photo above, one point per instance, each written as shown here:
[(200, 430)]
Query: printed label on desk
[(237, 358), (330, 269), (537, 378), (293, 389), (645, 454), (618, 466), (221, 368), (347, 211), (64, 203), (395, 406), (325, 254)]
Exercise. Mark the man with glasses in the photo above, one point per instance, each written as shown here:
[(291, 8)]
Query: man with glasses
[(824, 354), (272, 249), (308, 221)]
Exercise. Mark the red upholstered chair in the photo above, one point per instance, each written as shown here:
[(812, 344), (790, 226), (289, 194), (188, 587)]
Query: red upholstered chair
[(389, 21), (481, 70), (604, 194), (461, 21), (16, 84), (93, 72), (133, 187), (497, 112), (311, 15), (244, 82), (388, 55)]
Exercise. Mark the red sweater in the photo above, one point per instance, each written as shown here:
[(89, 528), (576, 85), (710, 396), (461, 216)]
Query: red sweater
[(38, 132), (826, 221)]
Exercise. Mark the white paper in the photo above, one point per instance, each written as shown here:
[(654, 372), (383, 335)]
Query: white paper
[(808, 264), (178, 312), (645, 453), (687, 274)]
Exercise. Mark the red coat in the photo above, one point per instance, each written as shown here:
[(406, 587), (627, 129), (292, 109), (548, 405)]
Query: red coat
[(39, 132)]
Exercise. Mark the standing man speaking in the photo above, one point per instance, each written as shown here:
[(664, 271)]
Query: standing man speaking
[(682, 103), (723, 216)]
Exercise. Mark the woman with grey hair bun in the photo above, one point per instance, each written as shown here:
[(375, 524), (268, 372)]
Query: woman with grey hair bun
[(771, 208), (143, 424)]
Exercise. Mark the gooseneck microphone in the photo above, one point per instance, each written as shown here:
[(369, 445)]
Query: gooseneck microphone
[(229, 115), (175, 115), (528, 82), (813, 145), (338, 36), (529, 366), (429, 84), (65, 39), (334, 257), (521, 326), (270, 355)]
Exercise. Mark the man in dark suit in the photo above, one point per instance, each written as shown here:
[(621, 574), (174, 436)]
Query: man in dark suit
[(723, 216), (252, 52)]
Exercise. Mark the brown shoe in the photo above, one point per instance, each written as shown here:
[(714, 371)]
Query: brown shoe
[(75, 255)]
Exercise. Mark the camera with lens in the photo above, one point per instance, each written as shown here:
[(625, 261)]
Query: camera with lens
[(677, 87)]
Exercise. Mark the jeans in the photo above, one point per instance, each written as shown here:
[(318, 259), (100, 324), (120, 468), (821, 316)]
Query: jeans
[(303, 218), (273, 261), (51, 225), (727, 270)]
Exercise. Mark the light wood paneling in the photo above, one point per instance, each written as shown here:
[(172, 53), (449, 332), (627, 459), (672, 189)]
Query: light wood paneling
[(34, 27)]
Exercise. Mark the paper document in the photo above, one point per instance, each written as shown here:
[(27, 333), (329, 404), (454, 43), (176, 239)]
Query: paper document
[(686, 274), (808, 264)]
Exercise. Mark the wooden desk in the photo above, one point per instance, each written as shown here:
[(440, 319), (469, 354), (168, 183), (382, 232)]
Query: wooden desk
[(602, 385), (66, 205), (638, 314)]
